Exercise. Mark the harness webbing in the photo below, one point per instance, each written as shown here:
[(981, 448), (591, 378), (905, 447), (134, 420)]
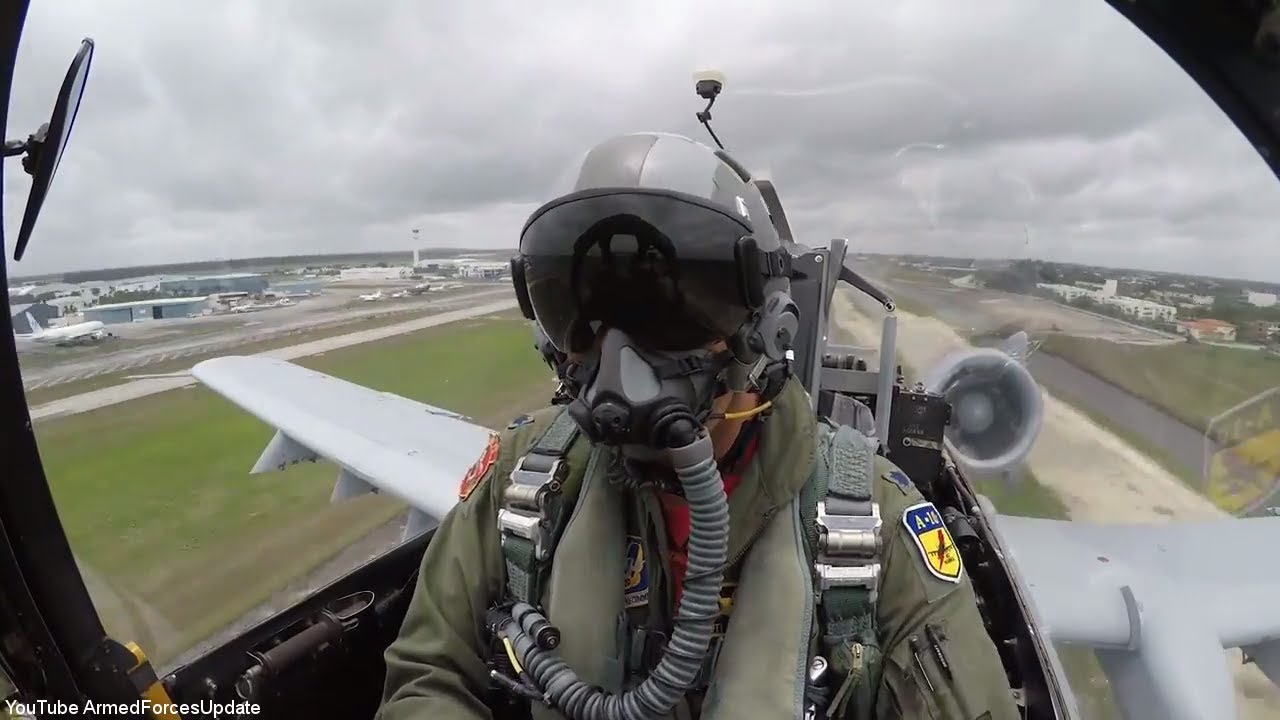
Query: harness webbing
[(839, 519), (534, 510), (845, 527)]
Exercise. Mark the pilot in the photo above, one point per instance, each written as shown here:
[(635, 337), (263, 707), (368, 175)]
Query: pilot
[(682, 537)]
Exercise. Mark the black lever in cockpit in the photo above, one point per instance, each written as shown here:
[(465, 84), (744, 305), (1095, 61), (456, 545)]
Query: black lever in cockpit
[(326, 627)]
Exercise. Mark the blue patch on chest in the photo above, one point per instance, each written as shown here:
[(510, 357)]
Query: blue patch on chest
[(635, 586), (522, 420), (899, 478)]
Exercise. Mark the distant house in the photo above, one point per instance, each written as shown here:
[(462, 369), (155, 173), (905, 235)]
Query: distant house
[(1208, 330), (1260, 299), (1259, 331)]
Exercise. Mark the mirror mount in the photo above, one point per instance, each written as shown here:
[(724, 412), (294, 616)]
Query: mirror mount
[(42, 150), (29, 148)]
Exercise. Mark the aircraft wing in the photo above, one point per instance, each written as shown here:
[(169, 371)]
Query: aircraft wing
[(1159, 603), (380, 442)]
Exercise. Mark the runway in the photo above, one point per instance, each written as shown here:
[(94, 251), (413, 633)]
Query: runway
[(149, 386), (970, 310)]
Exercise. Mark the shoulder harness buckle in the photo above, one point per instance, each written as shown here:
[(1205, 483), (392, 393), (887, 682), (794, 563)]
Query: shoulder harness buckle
[(846, 561), (527, 501), (848, 520), (533, 512), (848, 547)]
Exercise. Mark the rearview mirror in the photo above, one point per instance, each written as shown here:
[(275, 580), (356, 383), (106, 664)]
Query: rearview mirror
[(43, 149)]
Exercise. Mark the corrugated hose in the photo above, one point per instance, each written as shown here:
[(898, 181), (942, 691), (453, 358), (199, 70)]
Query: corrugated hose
[(699, 607)]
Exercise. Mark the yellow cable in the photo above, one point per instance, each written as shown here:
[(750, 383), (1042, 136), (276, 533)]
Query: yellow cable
[(511, 655), (742, 415)]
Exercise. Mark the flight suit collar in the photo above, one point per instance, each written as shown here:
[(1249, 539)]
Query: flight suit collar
[(782, 464)]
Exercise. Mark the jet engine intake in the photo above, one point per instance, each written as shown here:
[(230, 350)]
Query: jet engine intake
[(996, 408)]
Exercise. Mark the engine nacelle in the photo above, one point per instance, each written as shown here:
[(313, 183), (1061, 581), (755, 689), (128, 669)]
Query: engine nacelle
[(996, 407)]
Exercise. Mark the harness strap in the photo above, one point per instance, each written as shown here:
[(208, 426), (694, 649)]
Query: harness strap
[(534, 512), (846, 526)]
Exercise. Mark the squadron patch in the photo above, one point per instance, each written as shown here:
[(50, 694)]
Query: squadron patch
[(478, 470), (522, 420), (941, 557), (635, 587), (899, 478)]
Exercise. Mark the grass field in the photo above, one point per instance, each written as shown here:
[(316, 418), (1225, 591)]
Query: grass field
[(1190, 382), (156, 497)]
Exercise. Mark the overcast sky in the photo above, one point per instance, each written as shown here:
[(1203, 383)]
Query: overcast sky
[(1006, 128)]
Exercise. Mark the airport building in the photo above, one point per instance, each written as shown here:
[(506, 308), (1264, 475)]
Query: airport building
[(298, 287), (238, 282), (115, 313), (1106, 294), (43, 313), (483, 270), (376, 273)]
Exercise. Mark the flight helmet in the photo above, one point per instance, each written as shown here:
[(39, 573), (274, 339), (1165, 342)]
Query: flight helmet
[(665, 239)]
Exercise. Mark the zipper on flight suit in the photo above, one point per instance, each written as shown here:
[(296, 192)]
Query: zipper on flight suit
[(751, 540)]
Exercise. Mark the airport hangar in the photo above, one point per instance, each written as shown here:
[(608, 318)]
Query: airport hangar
[(252, 283), (126, 312), (299, 287), (42, 312)]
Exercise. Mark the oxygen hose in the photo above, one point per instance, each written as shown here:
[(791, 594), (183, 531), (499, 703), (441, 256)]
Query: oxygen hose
[(695, 467)]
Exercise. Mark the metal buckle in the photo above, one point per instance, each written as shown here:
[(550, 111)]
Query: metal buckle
[(533, 480), (529, 527), (848, 549), (526, 495)]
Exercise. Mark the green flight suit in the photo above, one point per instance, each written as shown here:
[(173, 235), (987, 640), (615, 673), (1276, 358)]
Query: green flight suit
[(437, 666)]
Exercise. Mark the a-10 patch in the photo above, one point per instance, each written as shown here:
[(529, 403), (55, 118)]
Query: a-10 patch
[(635, 587), (934, 542)]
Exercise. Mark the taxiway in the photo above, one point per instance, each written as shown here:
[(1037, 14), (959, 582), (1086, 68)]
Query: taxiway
[(141, 344), (149, 386)]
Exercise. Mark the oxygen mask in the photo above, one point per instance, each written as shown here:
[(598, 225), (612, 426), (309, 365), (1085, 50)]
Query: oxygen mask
[(642, 400)]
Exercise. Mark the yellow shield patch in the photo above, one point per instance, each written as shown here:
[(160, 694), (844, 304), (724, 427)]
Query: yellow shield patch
[(635, 587), (934, 542)]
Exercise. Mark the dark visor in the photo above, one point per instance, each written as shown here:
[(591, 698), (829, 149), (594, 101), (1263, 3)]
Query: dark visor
[(659, 266)]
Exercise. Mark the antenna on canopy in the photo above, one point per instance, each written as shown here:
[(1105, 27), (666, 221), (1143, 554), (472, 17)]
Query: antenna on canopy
[(708, 84)]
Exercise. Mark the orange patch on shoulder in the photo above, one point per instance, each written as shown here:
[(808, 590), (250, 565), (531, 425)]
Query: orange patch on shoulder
[(472, 479)]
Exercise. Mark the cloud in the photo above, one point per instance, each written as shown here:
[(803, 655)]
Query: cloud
[(1002, 128)]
